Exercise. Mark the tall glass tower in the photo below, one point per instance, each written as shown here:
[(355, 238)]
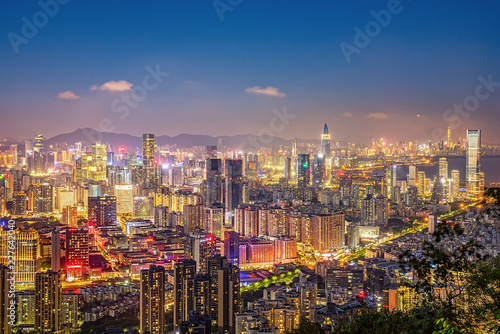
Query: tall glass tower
[(325, 143), (473, 175)]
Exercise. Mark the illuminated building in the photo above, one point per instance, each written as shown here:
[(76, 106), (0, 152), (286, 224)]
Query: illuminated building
[(229, 298), (27, 254), (102, 210), (308, 292), (193, 217), (432, 223), (390, 180), (41, 198), (38, 143), (214, 181), (474, 179), (183, 270), (69, 216), (215, 218), (69, 311), (148, 149), (19, 204), (64, 198), (350, 279), (97, 170), (55, 261), (285, 249), (443, 175), (325, 143), (48, 300), (375, 210), (328, 232), (143, 207), (215, 263), (260, 251), (412, 176), (161, 215), (454, 183), (233, 174), (246, 220), (199, 246), (303, 171), (77, 252), (5, 328), (25, 302), (232, 247), (124, 198), (318, 170), (421, 186), (152, 300), (288, 168)]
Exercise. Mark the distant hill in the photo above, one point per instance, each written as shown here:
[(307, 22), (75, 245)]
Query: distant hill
[(87, 136)]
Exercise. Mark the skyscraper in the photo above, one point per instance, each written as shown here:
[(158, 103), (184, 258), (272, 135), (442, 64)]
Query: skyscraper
[(233, 174), (77, 252), (102, 210), (318, 171), (148, 149), (304, 171), (390, 180), (48, 294), (152, 300), (454, 183), (228, 298), (38, 143), (185, 269), (443, 175), (56, 251), (232, 246), (214, 181), (473, 175), (5, 328), (325, 143), (412, 176)]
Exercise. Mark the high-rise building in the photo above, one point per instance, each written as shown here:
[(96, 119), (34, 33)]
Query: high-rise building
[(152, 300), (232, 246), (102, 210), (214, 181), (77, 252), (318, 170), (27, 254), (215, 219), (325, 143), (48, 298), (233, 175), (215, 263), (41, 199), (228, 298), (328, 232), (443, 175), (148, 149), (5, 304), (99, 162), (199, 246), (69, 311), (193, 217), (473, 176), (390, 180), (454, 183), (303, 171), (25, 303), (421, 183), (412, 176), (375, 210), (124, 194), (38, 143), (70, 216), (183, 270), (55, 262), (288, 168)]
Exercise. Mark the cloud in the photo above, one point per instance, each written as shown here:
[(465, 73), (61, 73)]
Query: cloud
[(67, 95), (379, 115), (114, 86), (348, 114), (269, 91)]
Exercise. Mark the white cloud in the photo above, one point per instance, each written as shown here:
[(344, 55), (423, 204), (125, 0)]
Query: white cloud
[(348, 114), (67, 95), (269, 91), (114, 86), (379, 115)]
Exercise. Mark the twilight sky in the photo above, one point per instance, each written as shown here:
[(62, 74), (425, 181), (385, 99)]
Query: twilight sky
[(231, 62)]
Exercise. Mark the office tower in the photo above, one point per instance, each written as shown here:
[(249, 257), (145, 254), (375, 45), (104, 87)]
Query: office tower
[(412, 176), (199, 246), (233, 184), (55, 262), (152, 300), (131, 159), (25, 303), (449, 137), (232, 247), (421, 183), (229, 298), (325, 143), (13, 153), (432, 223), (27, 254), (214, 181), (41, 198), (454, 183), (390, 180), (5, 304), (375, 210), (215, 219), (48, 295), (69, 216), (193, 217), (473, 175), (303, 171), (124, 194), (99, 162), (148, 149), (443, 175), (102, 210), (288, 168), (64, 198), (38, 143), (318, 171), (77, 252), (183, 270)]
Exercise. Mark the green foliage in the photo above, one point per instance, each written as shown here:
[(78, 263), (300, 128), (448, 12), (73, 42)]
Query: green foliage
[(124, 320), (307, 327)]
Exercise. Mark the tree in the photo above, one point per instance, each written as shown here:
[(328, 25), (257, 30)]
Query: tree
[(307, 327)]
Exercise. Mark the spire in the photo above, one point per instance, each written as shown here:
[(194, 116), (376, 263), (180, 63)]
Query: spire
[(325, 130)]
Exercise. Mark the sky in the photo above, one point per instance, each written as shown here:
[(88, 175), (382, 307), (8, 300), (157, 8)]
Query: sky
[(370, 69)]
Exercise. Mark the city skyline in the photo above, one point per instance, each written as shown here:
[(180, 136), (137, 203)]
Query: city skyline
[(230, 72)]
